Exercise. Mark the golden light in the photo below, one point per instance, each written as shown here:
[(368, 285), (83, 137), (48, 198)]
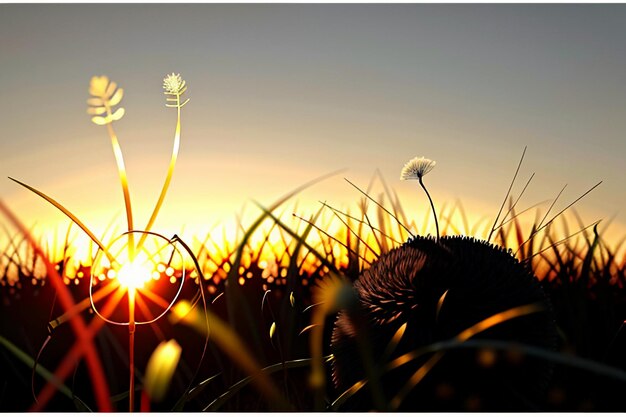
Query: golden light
[(161, 368), (141, 273), (134, 275), (181, 310)]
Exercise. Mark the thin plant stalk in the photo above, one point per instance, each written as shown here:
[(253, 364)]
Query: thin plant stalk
[(432, 205), (131, 348), (119, 159), (170, 171), (176, 87), (121, 169), (495, 222)]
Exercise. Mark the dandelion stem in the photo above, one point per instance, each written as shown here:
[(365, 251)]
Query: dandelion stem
[(170, 172), (431, 205)]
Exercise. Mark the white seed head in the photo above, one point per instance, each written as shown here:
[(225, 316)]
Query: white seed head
[(416, 168), (173, 84)]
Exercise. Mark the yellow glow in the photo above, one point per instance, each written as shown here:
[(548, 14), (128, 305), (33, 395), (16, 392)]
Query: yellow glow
[(181, 310), (134, 275), (160, 369), (81, 251)]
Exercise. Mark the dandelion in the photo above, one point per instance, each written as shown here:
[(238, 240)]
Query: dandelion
[(173, 84), (415, 169)]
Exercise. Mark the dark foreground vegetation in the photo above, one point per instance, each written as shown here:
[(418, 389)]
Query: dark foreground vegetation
[(264, 292)]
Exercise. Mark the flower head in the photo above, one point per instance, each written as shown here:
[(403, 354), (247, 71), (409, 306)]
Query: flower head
[(416, 168), (487, 285), (98, 85), (104, 97), (174, 84)]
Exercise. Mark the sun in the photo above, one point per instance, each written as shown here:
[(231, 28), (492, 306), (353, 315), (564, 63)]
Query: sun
[(134, 275)]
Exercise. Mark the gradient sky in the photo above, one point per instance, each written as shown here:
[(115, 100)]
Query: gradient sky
[(281, 94)]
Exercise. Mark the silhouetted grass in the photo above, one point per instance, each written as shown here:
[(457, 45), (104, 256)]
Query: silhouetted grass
[(260, 286)]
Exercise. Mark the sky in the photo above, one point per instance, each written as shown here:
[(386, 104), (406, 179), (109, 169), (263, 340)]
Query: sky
[(284, 93)]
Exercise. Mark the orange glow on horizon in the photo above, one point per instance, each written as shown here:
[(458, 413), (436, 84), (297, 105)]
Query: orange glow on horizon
[(269, 246)]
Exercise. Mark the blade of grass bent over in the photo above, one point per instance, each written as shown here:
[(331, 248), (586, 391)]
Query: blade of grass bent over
[(68, 214)]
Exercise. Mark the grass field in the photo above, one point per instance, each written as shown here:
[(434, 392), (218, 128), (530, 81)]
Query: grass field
[(260, 291), (369, 307)]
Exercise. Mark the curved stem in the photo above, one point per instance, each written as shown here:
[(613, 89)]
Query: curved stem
[(121, 168), (432, 206), (170, 172)]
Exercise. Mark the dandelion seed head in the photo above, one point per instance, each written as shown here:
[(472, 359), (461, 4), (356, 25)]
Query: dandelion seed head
[(173, 84), (416, 168)]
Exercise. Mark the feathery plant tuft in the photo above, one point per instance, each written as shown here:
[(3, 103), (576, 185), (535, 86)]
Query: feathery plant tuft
[(415, 169)]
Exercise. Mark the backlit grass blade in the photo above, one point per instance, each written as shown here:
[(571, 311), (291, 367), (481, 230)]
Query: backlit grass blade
[(299, 239), (30, 362), (382, 207), (363, 208), (68, 214), (506, 197), (549, 222), (328, 235)]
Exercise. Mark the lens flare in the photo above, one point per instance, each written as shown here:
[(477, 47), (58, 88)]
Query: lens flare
[(134, 275)]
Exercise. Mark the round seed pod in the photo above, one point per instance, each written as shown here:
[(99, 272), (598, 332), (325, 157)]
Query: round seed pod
[(426, 292)]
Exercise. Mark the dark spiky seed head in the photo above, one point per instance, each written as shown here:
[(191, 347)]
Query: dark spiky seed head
[(479, 280)]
